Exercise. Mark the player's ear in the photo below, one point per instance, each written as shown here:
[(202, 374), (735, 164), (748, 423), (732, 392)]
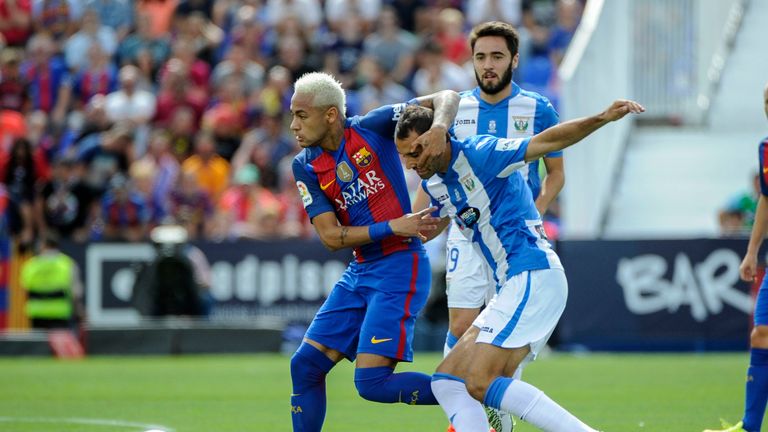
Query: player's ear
[(515, 61), (331, 114)]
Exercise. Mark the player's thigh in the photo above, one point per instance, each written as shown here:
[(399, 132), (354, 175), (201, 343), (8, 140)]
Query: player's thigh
[(525, 311), (337, 323), (396, 289), (469, 283), (490, 361), (458, 361)]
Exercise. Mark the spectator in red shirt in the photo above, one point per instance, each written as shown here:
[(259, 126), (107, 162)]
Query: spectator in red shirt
[(15, 21), (176, 91), (13, 88)]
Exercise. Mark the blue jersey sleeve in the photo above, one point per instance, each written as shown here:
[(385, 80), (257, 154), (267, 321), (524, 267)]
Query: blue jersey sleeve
[(763, 167), (499, 157), (383, 120), (314, 200), (546, 117)]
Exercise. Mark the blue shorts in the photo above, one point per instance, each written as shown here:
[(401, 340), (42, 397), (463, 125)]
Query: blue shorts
[(761, 305), (373, 307)]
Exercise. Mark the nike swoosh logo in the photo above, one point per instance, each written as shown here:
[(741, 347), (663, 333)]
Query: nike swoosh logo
[(295, 394), (327, 185), (378, 341)]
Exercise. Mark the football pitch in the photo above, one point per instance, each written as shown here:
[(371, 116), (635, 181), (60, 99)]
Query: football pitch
[(652, 392)]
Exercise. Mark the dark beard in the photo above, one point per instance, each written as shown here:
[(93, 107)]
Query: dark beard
[(494, 89)]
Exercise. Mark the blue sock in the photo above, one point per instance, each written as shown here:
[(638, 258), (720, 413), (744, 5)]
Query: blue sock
[(495, 392), (309, 367), (757, 390), (380, 384), (450, 340)]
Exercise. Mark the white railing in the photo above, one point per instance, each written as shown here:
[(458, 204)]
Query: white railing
[(679, 49), (594, 72), (667, 54)]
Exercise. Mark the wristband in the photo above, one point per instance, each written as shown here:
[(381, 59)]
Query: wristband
[(379, 231)]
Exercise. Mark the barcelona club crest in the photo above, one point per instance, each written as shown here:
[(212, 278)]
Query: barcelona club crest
[(521, 123), (344, 172), (363, 157)]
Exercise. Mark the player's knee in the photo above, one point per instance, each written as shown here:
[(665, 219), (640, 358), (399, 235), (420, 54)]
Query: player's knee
[(309, 365), (371, 383), (759, 337), (458, 327), (477, 385), (461, 320), (298, 365)]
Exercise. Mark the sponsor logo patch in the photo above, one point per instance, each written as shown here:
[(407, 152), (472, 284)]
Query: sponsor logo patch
[(306, 197), (507, 144), (468, 217)]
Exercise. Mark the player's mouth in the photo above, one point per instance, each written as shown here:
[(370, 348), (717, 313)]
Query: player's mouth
[(489, 76)]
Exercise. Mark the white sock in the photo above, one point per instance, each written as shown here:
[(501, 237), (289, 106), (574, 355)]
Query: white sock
[(446, 350), (465, 413), (533, 406)]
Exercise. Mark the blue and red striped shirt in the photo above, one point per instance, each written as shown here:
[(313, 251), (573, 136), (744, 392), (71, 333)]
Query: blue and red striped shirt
[(362, 182)]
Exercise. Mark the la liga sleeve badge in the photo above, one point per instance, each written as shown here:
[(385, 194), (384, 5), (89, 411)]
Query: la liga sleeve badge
[(306, 197)]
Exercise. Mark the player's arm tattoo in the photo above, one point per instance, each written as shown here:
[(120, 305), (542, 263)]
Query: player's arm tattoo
[(344, 232)]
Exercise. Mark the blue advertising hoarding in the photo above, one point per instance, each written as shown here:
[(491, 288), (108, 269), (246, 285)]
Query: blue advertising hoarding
[(655, 294)]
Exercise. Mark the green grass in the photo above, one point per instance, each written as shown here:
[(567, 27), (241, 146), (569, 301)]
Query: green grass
[(250, 393)]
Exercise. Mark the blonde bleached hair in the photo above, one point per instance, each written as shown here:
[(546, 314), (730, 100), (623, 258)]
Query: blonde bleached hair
[(326, 89)]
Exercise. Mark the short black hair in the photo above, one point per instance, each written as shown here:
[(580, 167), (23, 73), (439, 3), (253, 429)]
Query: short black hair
[(495, 28), (51, 240), (414, 118)]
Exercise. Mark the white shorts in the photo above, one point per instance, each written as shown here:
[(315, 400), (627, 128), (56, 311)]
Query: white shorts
[(525, 311), (469, 282)]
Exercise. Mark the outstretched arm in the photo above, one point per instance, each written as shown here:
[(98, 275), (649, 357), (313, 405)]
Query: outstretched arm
[(335, 236), (566, 134)]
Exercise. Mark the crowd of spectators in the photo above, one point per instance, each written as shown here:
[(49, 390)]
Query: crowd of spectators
[(119, 115)]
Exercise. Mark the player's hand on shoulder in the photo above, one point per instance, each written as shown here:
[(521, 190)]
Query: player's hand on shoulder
[(622, 107), (415, 224)]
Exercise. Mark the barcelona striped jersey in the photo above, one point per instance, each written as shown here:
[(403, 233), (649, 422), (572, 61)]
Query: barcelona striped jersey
[(362, 182)]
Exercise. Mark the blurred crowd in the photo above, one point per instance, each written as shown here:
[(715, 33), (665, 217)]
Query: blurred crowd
[(119, 115)]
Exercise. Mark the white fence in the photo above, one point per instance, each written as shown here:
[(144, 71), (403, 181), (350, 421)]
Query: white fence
[(663, 53)]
